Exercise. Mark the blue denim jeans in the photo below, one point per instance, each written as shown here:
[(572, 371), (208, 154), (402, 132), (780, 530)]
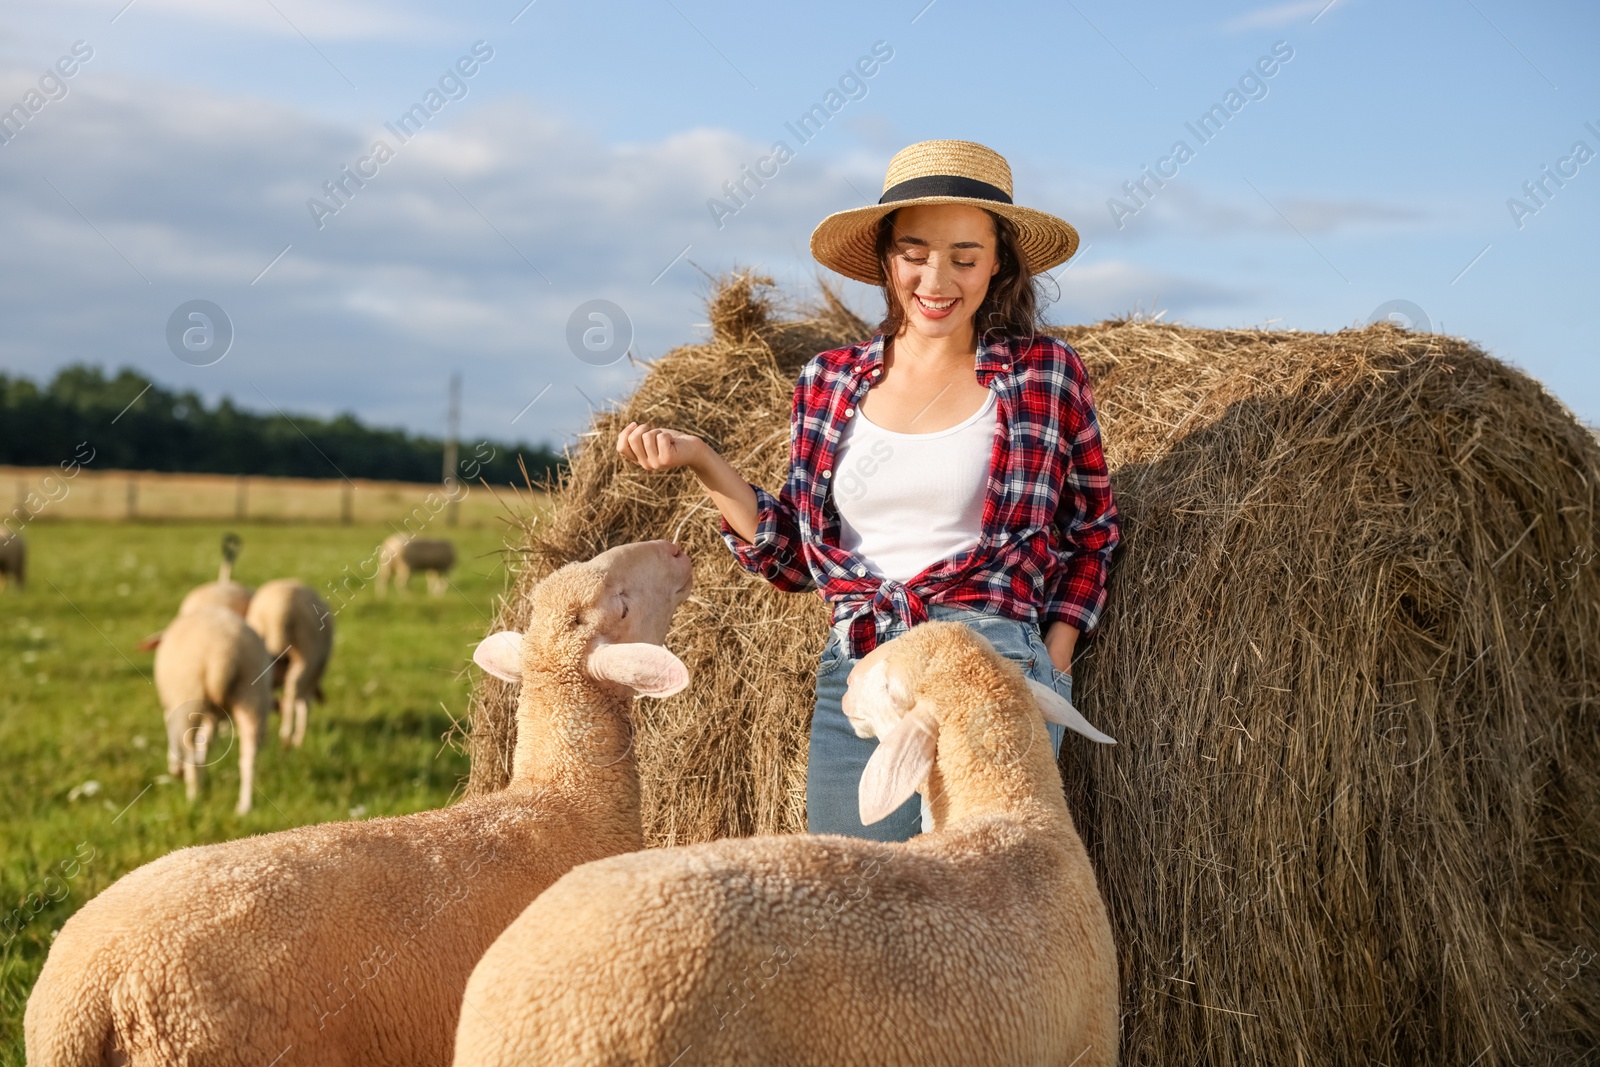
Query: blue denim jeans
[(838, 756)]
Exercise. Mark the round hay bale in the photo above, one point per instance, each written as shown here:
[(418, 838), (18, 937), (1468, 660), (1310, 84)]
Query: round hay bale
[(1352, 653)]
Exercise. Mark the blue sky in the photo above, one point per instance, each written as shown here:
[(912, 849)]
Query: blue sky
[(577, 161)]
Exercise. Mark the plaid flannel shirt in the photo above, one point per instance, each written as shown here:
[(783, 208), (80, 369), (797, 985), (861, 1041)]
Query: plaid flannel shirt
[(1049, 523)]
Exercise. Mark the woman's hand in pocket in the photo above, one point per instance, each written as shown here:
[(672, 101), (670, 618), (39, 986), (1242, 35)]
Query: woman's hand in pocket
[(1060, 639)]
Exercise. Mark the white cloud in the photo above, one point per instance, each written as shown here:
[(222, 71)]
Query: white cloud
[(1113, 286), (421, 272), (320, 20), (1181, 206), (1277, 15), (410, 278)]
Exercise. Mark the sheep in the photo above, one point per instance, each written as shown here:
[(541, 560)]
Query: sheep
[(399, 555), (350, 943), (297, 627), (210, 664), (13, 557), (222, 593), (983, 941), (219, 594)]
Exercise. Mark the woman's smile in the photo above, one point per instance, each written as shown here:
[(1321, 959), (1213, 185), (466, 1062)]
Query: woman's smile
[(935, 307)]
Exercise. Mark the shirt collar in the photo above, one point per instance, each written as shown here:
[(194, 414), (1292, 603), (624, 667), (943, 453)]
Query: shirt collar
[(992, 358)]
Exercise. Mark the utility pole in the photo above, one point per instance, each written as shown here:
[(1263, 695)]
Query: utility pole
[(452, 451)]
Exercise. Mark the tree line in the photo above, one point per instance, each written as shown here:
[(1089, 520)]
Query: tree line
[(167, 430)]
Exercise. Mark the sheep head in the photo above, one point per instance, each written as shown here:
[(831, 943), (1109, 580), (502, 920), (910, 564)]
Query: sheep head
[(887, 697), (609, 613)]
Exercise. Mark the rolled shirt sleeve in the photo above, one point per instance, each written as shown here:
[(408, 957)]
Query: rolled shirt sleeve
[(776, 554), (1087, 524)]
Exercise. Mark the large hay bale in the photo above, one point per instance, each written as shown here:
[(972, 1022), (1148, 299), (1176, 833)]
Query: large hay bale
[(1352, 653)]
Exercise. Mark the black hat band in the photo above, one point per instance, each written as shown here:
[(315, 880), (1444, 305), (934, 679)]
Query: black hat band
[(944, 185)]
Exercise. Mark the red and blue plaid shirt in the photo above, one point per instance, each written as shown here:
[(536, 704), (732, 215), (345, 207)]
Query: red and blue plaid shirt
[(1049, 523)]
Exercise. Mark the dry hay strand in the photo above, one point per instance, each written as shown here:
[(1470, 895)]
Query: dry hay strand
[(1352, 653)]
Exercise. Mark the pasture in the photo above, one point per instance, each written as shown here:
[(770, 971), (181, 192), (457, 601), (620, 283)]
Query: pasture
[(88, 492), (85, 798)]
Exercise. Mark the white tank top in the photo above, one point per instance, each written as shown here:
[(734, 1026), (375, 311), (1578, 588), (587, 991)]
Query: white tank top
[(908, 500)]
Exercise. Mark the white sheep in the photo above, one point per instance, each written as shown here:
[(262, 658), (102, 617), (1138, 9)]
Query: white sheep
[(350, 943), (400, 554), (13, 557), (297, 627), (222, 593), (230, 595), (983, 941), (209, 664)]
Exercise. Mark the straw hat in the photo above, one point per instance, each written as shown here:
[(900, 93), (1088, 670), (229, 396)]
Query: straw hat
[(940, 172)]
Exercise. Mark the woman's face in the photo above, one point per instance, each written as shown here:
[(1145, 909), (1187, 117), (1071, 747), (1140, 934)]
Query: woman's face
[(940, 263)]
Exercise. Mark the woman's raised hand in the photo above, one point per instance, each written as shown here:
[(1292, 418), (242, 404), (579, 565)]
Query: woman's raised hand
[(657, 448)]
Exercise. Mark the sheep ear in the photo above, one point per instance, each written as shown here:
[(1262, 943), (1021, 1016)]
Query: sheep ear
[(501, 655), (649, 670), (1059, 710), (900, 765)]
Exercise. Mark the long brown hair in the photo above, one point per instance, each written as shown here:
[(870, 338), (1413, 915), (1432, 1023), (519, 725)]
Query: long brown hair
[(1011, 309)]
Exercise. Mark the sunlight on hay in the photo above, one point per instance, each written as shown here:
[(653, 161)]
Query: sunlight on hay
[(1352, 654)]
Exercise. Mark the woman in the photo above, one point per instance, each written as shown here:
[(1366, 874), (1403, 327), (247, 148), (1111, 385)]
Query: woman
[(950, 468)]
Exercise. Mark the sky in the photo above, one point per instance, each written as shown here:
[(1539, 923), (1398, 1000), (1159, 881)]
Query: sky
[(1425, 153)]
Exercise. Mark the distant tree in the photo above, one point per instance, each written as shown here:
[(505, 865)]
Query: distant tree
[(164, 430)]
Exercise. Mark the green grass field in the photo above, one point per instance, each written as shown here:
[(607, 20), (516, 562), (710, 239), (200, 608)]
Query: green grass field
[(84, 796)]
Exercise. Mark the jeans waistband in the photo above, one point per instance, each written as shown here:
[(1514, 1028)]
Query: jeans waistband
[(940, 613)]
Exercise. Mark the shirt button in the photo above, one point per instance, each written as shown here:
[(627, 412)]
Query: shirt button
[(827, 474), (876, 373), (861, 571), (1005, 366), (848, 412)]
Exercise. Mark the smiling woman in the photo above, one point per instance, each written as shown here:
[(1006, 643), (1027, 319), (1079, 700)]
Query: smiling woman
[(972, 485)]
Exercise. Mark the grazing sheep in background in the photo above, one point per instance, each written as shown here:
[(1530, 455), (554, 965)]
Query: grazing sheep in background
[(984, 941), (13, 558), (399, 555), (222, 593), (210, 664), (350, 943), (297, 627)]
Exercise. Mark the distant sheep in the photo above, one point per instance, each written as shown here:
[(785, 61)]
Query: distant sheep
[(350, 943), (222, 593), (297, 628), (399, 555), (983, 942), (210, 665), (13, 558)]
